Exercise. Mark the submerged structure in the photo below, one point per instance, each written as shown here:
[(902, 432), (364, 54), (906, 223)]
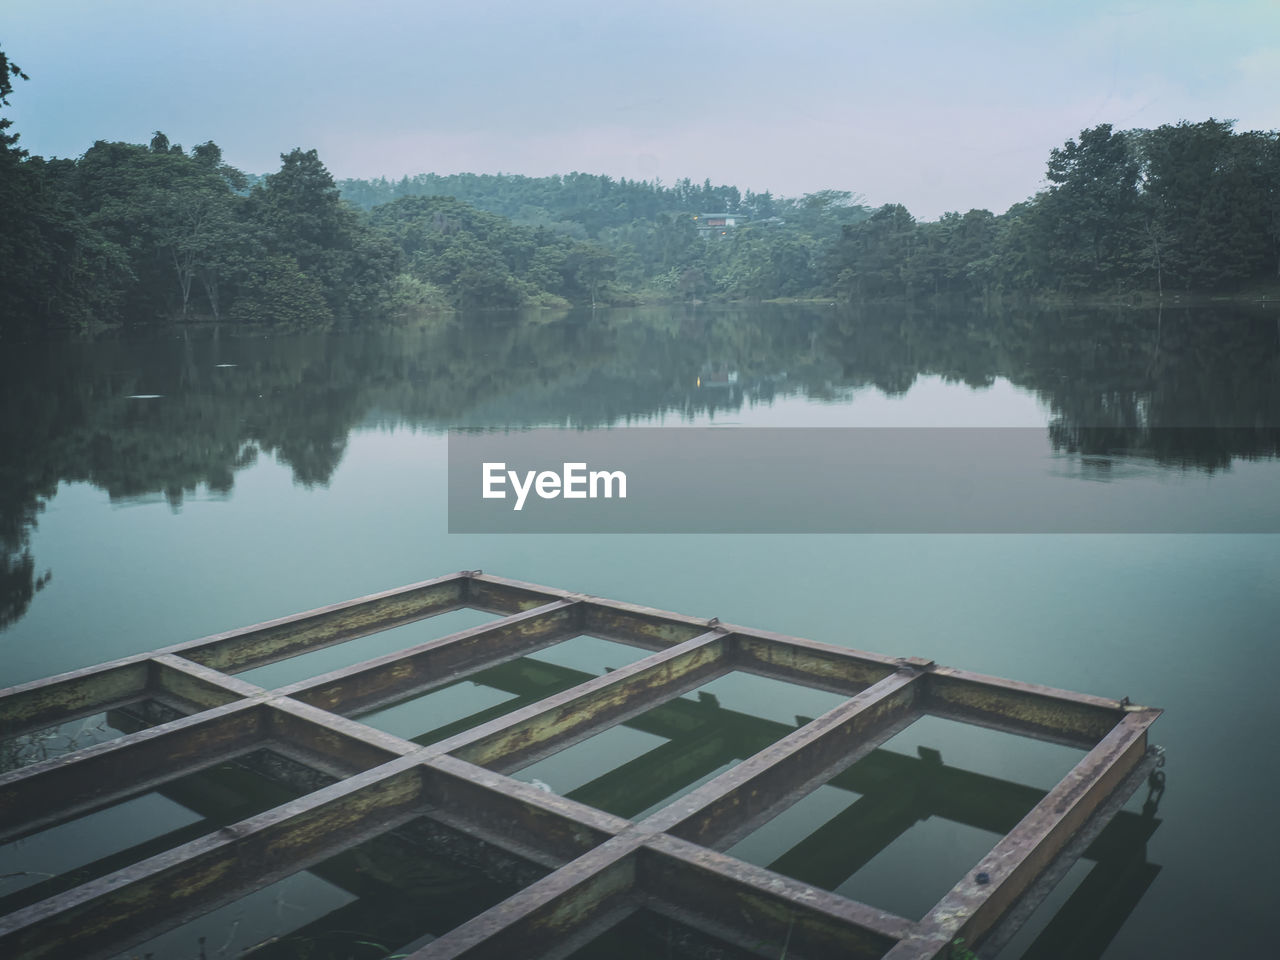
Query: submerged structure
[(429, 848)]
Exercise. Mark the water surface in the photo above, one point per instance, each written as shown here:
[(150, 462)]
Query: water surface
[(156, 489)]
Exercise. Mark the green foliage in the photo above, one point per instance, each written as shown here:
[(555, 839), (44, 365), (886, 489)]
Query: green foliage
[(301, 215), (278, 293), (134, 233), (1091, 209), (8, 71), (575, 203), (484, 261), (1191, 205), (56, 264), (643, 232), (408, 297), (1208, 203), (876, 256)]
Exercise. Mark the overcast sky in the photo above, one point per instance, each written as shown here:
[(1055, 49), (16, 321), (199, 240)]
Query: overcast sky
[(936, 104)]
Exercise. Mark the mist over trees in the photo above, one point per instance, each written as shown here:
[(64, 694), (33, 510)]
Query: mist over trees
[(138, 233)]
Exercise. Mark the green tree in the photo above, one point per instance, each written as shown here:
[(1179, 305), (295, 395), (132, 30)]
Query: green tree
[(58, 268), (592, 266), (1092, 209), (874, 257), (278, 293), (304, 217), (1206, 203)]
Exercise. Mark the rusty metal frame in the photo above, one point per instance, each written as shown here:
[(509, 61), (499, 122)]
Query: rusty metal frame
[(596, 868)]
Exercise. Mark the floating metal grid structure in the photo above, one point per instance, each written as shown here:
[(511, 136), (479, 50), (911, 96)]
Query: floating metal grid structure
[(593, 869)]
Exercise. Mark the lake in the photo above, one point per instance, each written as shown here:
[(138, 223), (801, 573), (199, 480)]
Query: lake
[(160, 487)]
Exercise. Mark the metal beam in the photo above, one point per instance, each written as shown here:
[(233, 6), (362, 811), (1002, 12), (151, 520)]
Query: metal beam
[(1027, 708), (43, 793), (500, 595), (145, 899), (427, 666), (757, 909), (549, 725), (68, 696), (757, 785), (517, 816), (975, 903), (273, 640), (340, 745), (820, 665), (642, 626), (543, 914), (599, 867), (197, 684)]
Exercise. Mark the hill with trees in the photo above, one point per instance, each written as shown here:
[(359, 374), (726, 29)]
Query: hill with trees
[(138, 233)]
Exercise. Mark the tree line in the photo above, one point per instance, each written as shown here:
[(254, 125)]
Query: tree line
[(1183, 208), (133, 233)]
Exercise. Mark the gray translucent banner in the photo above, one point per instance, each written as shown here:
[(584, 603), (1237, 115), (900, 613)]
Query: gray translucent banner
[(858, 480)]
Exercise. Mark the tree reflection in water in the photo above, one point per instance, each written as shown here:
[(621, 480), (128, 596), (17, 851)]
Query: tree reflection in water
[(1111, 380)]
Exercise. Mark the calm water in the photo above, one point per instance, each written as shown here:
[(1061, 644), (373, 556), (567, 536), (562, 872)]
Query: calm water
[(155, 490)]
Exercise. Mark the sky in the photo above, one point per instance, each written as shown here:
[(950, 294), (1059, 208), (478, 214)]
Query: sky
[(934, 104)]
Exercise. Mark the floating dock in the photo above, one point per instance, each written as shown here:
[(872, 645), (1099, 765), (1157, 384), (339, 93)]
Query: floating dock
[(576, 871)]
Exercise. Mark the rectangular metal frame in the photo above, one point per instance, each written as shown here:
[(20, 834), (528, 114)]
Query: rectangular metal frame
[(599, 867)]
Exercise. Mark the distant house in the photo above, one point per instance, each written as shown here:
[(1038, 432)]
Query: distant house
[(709, 224)]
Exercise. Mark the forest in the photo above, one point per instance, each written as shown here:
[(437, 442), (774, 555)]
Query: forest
[(138, 233)]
